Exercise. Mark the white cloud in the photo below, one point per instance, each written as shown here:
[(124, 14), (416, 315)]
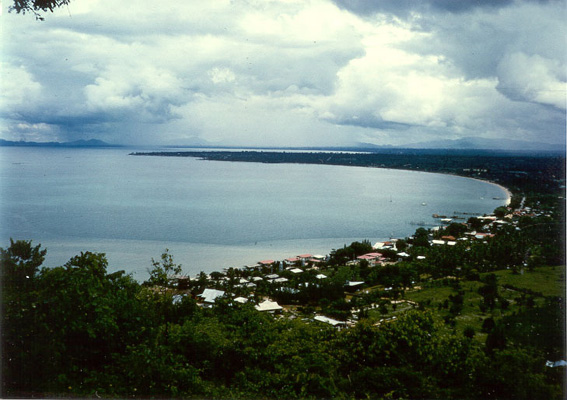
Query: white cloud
[(221, 75), (145, 93), (19, 89), (389, 85), (286, 72), (532, 78)]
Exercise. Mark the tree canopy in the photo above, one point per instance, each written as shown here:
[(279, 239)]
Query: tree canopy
[(78, 330), (37, 6)]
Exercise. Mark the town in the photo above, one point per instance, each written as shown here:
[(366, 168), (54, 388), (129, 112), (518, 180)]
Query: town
[(359, 279)]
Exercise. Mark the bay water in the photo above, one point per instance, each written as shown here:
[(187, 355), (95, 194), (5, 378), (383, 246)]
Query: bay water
[(211, 214)]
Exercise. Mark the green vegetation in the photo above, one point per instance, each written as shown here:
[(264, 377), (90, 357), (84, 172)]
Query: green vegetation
[(475, 317)]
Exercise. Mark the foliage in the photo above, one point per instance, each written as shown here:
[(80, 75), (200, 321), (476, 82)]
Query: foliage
[(349, 253), (162, 270), (36, 6), (420, 238), (489, 291), (19, 265)]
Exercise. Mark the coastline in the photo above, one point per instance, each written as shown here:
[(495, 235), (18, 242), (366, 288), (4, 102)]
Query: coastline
[(508, 192), (185, 251), (414, 161), (504, 188), (134, 256)]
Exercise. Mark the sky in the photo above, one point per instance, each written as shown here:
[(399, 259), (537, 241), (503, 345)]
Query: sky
[(285, 72)]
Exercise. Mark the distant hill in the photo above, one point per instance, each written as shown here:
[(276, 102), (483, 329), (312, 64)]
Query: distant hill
[(473, 143), (76, 143)]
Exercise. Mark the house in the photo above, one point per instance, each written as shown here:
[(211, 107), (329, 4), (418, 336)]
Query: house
[(313, 262), (268, 306), (292, 260), (304, 258), (383, 245), (210, 295), (352, 286), (267, 265), (481, 236), (560, 363), (372, 258), (241, 300), (327, 320)]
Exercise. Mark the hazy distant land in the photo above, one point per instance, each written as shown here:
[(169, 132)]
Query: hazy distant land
[(75, 143)]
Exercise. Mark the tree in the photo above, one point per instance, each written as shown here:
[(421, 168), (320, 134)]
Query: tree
[(500, 212), (159, 275), (401, 245), (421, 238), (455, 229), (489, 291), (19, 266), (488, 325), (496, 339), (469, 332), (84, 317), (20, 263), (475, 223), (347, 253), (37, 6)]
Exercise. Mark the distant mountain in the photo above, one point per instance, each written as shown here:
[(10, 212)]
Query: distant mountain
[(472, 143), (76, 143)]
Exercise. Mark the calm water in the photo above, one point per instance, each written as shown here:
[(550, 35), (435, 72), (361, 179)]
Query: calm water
[(211, 214)]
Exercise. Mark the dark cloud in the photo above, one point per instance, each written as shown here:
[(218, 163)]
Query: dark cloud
[(403, 8), (372, 122)]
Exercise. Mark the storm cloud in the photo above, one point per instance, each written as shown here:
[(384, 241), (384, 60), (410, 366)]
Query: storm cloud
[(286, 73)]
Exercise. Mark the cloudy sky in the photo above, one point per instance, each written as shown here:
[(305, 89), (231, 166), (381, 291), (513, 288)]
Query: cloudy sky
[(285, 72)]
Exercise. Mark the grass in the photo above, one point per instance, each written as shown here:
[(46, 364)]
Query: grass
[(549, 281)]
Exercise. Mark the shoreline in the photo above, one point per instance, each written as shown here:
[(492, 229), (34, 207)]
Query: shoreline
[(141, 251), (428, 163), (134, 256), (509, 193)]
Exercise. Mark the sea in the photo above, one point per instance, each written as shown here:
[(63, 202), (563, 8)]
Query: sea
[(212, 215)]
